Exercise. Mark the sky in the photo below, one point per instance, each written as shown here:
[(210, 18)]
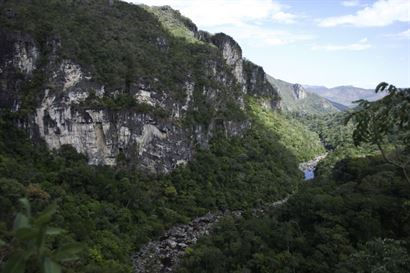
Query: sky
[(315, 42)]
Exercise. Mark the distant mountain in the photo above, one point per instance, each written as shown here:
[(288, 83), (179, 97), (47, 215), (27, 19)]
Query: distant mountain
[(344, 95), (295, 98), (339, 106)]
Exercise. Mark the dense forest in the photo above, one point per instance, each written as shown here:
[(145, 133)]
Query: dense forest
[(61, 214), (112, 211), (353, 217)]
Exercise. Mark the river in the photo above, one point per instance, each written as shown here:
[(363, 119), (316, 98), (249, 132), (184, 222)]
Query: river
[(308, 168), (164, 254)]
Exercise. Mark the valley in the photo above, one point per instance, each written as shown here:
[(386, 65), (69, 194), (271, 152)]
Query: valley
[(132, 141)]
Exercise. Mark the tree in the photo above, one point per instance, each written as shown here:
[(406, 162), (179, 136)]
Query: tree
[(386, 124), (378, 256), (29, 244)]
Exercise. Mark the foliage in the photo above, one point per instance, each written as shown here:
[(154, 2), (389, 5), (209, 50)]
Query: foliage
[(113, 211), (379, 256), (30, 249), (175, 23), (328, 226), (336, 136), (123, 46), (310, 104), (386, 122), (303, 143)]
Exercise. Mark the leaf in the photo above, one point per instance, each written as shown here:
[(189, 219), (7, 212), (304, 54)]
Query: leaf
[(54, 231), (68, 252), (41, 239), (49, 266), (26, 205), (26, 233), (46, 215), (381, 86), (21, 221), (2, 243), (15, 264)]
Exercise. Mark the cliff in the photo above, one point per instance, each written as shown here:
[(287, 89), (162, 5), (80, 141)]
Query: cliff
[(296, 99), (109, 79)]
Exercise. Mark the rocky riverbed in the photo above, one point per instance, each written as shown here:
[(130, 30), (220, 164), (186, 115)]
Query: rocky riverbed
[(164, 254)]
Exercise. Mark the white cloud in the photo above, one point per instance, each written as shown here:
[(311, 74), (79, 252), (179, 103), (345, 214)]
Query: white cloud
[(284, 17), (351, 3), (210, 13), (381, 13), (404, 34), (244, 20), (363, 44), (257, 36)]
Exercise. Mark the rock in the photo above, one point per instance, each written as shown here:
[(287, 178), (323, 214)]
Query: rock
[(171, 243), (65, 111), (182, 245), (299, 92), (164, 255)]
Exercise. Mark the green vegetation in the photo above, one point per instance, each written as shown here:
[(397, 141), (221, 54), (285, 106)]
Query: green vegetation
[(304, 144), (122, 102), (336, 136), (175, 23), (113, 211), (328, 226), (119, 45), (30, 251), (386, 122), (354, 217), (311, 104)]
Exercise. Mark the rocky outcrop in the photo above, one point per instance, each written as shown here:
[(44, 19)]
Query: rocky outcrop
[(232, 53), (252, 78), (18, 58), (299, 92), (69, 105)]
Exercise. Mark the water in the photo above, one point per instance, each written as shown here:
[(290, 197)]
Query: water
[(308, 168), (309, 174)]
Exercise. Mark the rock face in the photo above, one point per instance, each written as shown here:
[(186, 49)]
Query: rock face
[(295, 98), (153, 135), (299, 92)]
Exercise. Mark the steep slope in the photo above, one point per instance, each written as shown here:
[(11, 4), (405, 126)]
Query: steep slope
[(112, 81), (344, 95), (296, 99), (90, 83)]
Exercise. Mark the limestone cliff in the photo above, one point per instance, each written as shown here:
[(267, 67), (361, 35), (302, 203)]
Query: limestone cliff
[(153, 122)]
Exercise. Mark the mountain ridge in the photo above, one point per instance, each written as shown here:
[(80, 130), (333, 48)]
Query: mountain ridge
[(344, 94), (296, 99)]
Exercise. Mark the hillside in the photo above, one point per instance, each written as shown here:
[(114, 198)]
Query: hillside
[(112, 81), (130, 121), (133, 142), (344, 95), (297, 100)]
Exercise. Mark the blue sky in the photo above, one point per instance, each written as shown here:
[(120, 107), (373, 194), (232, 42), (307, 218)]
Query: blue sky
[(317, 42)]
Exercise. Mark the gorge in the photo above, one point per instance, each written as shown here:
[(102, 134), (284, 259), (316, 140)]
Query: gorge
[(132, 141)]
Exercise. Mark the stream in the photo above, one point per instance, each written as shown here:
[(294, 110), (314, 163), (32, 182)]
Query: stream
[(164, 254), (308, 168)]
